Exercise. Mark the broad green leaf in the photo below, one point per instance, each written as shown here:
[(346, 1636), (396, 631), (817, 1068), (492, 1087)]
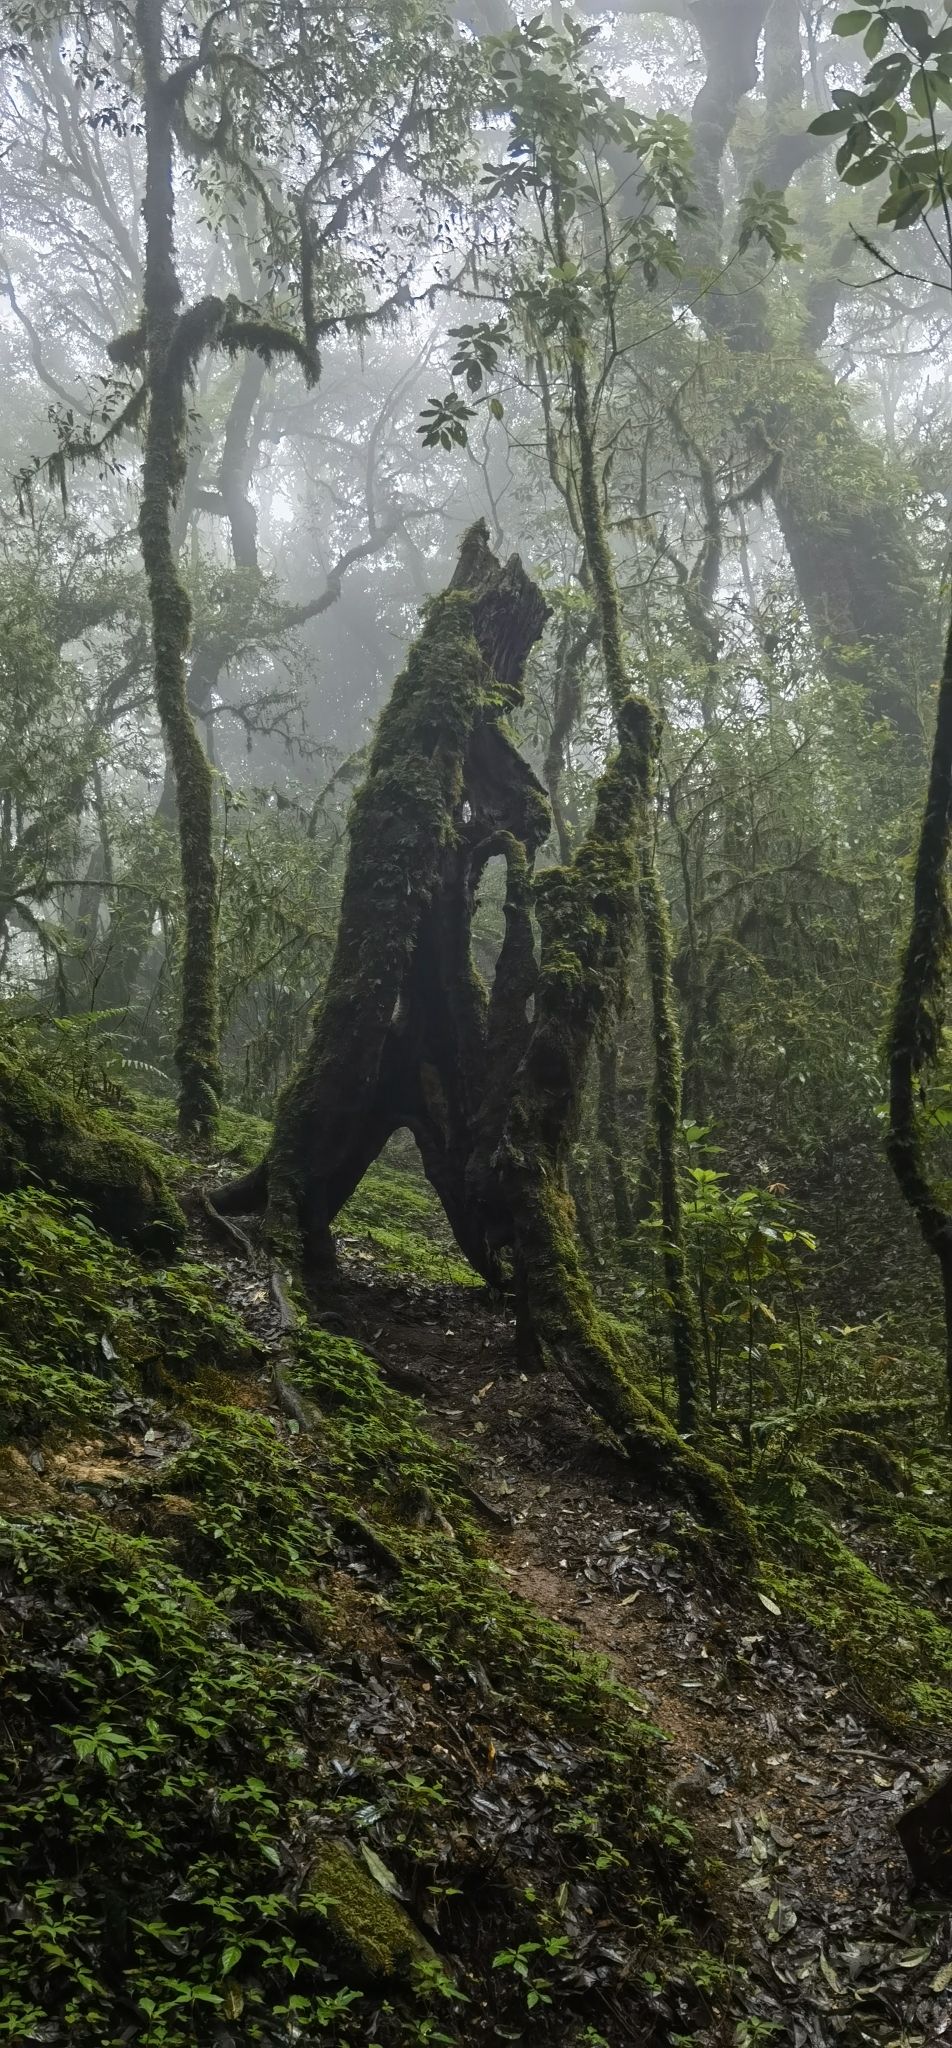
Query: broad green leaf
[(868, 168), (911, 23), (379, 1872), (834, 123), (853, 23), (902, 208), (921, 93)]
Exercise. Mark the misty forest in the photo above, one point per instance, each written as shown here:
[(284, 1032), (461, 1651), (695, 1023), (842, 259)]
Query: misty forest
[(475, 1086)]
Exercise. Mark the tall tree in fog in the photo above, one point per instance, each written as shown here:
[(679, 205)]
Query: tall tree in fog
[(228, 105)]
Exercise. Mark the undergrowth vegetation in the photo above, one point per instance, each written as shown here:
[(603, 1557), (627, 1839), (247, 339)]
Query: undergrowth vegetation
[(284, 1756)]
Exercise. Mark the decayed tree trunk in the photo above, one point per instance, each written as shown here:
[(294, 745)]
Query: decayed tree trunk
[(406, 1036)]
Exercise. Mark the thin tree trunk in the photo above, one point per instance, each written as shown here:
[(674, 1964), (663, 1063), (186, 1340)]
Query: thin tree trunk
[(574, 640), (197, 1051), (636, 713), (685, 1333), (612, 1142)]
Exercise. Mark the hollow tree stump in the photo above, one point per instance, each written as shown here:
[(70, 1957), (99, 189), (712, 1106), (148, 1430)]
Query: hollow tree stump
[(406, 1036)]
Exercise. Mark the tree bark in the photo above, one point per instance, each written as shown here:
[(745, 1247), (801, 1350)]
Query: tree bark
[(638, 734), (918, 1020), (197, 1048), (612, 1142), (850, 545), (407, 1037)]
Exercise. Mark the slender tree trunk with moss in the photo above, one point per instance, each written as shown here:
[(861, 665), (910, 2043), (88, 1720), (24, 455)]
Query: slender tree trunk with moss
[(587, 916), (197, 1051), (918, 1020), (574, 640), (665, 1028), (685, 1334), (612, 1142)]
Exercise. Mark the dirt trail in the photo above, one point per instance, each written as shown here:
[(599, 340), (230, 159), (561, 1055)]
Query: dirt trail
[(784, 1780)]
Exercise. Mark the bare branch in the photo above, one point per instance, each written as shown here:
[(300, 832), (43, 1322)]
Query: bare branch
[(35, 345), (178, 81)]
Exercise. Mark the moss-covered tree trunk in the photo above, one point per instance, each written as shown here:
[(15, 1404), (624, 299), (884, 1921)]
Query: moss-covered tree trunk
[(586, 915), (637, 730), (612, 1141), (406, 1035), (197, 1050), (918, 1021), (851, 546)]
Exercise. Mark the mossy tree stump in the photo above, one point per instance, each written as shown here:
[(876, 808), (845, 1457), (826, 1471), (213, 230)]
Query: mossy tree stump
[(406, 1036)]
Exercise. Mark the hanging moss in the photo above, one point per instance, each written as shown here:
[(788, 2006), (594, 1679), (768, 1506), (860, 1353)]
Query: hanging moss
[(46, 1141)]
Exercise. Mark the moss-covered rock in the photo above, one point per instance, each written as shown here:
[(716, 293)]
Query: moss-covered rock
[(46, 1140), (377, 1939)]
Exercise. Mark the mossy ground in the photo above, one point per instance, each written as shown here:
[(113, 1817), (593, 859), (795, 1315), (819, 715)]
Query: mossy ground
[(241, 1658), (393, 1213), (852, 1499), (856, 1531)]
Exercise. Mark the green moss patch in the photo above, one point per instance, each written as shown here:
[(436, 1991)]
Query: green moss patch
[(83, 1318), (400, 1220), (890, 1646), (47, 1141), (378, 1940)]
